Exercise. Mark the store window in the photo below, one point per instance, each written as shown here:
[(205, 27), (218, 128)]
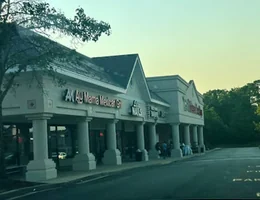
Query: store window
[(13, 145), (60, 143)]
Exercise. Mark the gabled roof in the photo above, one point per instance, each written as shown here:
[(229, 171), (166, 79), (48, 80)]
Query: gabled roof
[(157, 97), (112, 72), (153, 100), (80, 66), (119, 67), (192, 84)]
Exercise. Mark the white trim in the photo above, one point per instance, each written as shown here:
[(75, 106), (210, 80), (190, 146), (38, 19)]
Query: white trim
[(172, 77), (130, 98), (192, 84), (167, 90), (83, 78), (142, 71), (159, 102), (145, 82), (131, 75), (90, 80)]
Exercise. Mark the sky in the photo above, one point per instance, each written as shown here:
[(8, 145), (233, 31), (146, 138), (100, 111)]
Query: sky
[(216, 43)]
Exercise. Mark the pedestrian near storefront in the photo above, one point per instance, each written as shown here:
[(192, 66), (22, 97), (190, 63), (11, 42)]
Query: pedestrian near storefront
[(164, 148), (169, 148), (158, 149)]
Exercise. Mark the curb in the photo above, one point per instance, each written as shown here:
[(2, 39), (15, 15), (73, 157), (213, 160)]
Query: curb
[(36, 188), (215, 149)]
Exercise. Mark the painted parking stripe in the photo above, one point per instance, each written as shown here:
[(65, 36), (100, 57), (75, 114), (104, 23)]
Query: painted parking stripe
[(82, 182), (31, 193), (246, 180), (252, 171)]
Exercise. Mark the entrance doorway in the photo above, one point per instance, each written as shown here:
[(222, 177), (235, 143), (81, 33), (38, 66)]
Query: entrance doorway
[(98, 144), (61, 145)]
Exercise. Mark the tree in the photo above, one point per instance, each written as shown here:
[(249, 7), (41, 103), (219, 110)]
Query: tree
[(230, 117), (25, 28), (215, 129)]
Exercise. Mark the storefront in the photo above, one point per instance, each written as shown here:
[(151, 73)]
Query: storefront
[(186, 109), (101, 116)]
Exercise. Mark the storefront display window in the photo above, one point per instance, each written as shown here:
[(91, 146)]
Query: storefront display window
[(98, 144), (60, 143), (14, 145)]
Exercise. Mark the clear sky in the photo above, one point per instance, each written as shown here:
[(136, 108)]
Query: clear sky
[(214, 42)]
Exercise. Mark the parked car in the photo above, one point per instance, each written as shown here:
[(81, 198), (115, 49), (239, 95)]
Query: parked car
[(62, 155), (10, 159)]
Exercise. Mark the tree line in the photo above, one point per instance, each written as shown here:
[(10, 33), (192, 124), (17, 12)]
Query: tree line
[(232, 117)]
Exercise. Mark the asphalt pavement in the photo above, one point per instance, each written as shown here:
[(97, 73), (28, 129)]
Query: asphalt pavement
[(226, 173)]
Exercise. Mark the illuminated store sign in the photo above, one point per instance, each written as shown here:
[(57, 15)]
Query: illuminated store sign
[(153, 112), (188, 106), (162, 114), (135, 109), (78, 97)]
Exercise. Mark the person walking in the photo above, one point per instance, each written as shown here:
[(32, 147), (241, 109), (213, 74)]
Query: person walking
[(164, 148), (169, 149), (183, 148), (158, 149)]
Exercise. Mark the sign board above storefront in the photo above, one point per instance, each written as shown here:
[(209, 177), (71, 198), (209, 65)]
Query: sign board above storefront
[(135, 109), (188, 106), (154, 113), (78, 97)]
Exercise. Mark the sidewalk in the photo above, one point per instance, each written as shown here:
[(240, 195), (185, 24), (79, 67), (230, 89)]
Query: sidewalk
[(68, 177)]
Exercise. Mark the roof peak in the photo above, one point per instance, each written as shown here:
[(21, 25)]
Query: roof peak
[(133, 54), (119, 67)]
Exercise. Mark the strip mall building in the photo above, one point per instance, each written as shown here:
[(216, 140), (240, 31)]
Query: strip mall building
[(107, 108)]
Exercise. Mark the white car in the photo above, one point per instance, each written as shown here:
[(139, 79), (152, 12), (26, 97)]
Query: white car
[(62, 155)]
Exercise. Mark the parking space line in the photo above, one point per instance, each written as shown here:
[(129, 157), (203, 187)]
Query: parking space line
[(82, 182), (31, 193)]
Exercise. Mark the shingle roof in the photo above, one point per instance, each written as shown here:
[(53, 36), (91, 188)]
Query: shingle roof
[(119, 67), (157, 97), (83, 64)]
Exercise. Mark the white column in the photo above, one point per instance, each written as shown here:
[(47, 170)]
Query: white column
[(152, 137), (112, 155), (187, 134), (84, 160), (111, 135), (201, 138), (176, 151), (40, 168), (140, 140), (83, 136), (40, 139)]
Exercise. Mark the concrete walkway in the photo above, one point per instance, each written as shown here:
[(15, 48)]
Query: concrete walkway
[(68, 176), (104, 170), (223, 174)]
